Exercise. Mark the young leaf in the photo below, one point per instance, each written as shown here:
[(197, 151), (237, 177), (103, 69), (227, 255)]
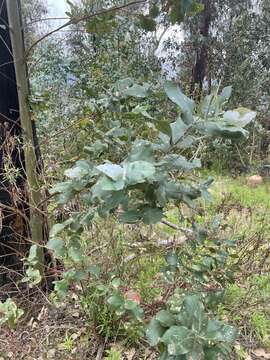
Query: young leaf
[(130, 305), (33, 277), (172, 259), (138, 313), (94, 270), (226, 93), (10, 313)]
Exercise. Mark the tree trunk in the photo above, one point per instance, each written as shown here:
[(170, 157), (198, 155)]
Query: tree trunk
[(20, 189), (199, 70)]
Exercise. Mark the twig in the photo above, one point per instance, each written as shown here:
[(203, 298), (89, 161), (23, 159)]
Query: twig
[(101, 350), (172, 242), (46, 19), (240, 156), (97, 249), (187, 232)]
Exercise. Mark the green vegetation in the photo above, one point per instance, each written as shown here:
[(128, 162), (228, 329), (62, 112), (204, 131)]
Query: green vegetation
[(156, 248)]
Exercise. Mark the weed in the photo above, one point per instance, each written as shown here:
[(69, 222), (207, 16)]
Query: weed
[(113, 354), (98, 312), (68, 343), (146, 284), (235, 295), (260, 324)]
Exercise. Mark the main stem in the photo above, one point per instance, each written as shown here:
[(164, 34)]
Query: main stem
[(31, 166)]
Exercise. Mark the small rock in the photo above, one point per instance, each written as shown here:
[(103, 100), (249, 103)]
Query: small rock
[(51, 354), (261, 353), (255, 180)]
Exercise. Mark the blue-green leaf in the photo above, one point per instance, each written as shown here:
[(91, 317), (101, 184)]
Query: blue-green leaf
[(115, 301), (154, 332), (138, 172), (58, 247), (178, 129), (130, 216), (113, 171), (175, 94), (165, 318), (152, 215), (179, 340)]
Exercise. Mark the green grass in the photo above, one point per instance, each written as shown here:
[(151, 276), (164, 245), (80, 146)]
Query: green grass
[(245, 215), (260, 324), (242, 193), (247, 305), (113, 354), (147, 283)]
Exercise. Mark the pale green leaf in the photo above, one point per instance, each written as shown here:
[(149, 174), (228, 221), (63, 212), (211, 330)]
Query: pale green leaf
[(175, 94), (115, 301), (179, 340), (178, 129), (58, 247), (113, 171), (139, 172), (154, 332)]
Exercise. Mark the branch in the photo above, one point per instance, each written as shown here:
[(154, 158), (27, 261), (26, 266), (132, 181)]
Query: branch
[(84, 18), (46, 19), (189, 233)]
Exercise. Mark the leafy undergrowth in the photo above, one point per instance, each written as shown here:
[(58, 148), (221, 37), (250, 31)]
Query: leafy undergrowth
[(145, 259)]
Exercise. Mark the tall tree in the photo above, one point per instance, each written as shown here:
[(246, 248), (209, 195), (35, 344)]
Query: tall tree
[(200, 68), (204, 53), (12, 174), (19, 192)]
